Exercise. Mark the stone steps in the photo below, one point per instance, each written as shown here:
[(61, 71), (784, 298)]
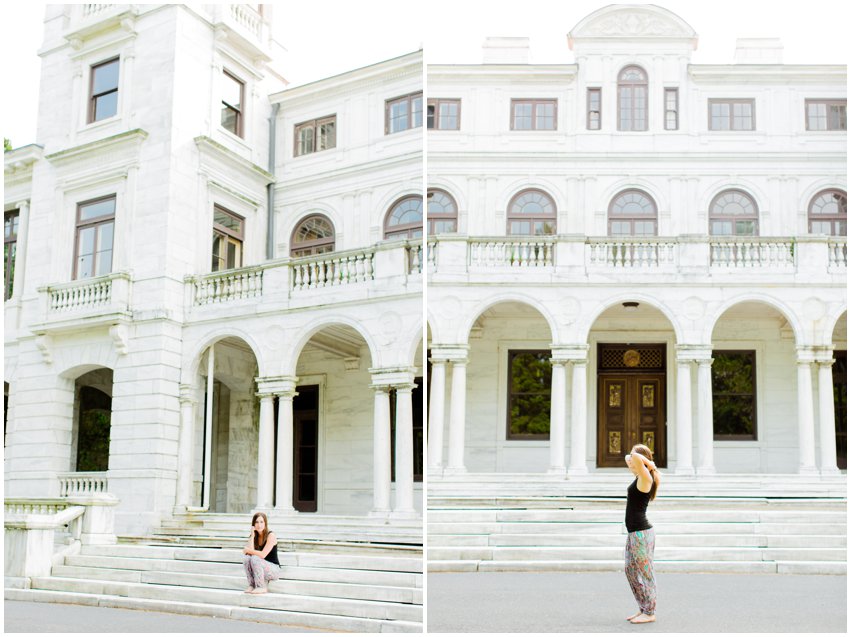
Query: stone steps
[(681, 540), (479, 528)]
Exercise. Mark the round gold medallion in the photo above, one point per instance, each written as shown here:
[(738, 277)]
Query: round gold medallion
[(631, 358)]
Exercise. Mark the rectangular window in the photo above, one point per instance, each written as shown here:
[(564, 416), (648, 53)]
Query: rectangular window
[(95, 237), (233, 93), (734, 395), (228, 235), (103, 90), (403, 113), (444, 114), (731, 114), (11, 220), (529, 388), (672, 109), (417, 418), (826, 115), (533, 114), (315, 135), (594, 101)]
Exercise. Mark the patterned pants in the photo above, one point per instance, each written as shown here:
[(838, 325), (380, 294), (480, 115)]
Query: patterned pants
[(259, 572), (638, 559)]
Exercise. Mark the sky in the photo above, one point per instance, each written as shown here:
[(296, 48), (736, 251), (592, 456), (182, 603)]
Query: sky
[(324, 39)]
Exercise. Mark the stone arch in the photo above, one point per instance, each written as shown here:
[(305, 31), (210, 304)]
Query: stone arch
[(608, 195), (290, 361), (71, 360), (191, 363), (772, 302), (531, 183), (584, 327), (832, 323), (414, 337), (463, 335)]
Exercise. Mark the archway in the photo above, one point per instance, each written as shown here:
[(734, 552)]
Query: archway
[(92, 421), (840, 389)]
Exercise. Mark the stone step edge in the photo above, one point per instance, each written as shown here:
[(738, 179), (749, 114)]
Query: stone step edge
[(307, 543), (661, 566), (299, 619)]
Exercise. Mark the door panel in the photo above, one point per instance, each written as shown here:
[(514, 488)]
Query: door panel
[(631, 410)]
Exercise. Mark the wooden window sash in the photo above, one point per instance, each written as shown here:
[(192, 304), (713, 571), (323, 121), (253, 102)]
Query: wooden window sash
[(408, 100), (237, 110), (534, 103), (675, 111), (842, 114), (590, 111), (92, 223), (731, 118), (93, 97)]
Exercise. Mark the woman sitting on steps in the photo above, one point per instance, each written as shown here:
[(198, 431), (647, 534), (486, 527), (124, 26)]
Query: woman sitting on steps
[(261, 556)]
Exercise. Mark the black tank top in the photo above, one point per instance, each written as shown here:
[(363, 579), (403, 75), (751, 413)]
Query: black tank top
[(636, 508), (271, 556)]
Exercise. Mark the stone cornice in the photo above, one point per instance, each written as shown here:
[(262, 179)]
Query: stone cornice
[(20, 160), (127, 141), (209, 148), (745, 74)]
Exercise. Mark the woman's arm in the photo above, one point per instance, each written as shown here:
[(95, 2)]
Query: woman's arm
[(642, 465), (248, 549)]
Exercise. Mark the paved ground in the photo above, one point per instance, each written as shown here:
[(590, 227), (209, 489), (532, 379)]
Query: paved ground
[(37, 617), (600, 602)]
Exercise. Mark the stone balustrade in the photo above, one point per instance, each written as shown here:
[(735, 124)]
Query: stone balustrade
[(649, 252), (515, 253), (333, 269), (95, 296), (752, 252), (837, 255), (74, 484), (226, 286), (415, 258)]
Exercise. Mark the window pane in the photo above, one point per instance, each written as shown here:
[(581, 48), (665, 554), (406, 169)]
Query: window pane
[(523, 117), (545, 116), (449, 116), (85, 253), (398, 116), (734, 393), (222, 218), (96, 209), (229, 119), (231, 91), (621, 228), (106, 106), (105, 78), (745, 227), (417, 110), (821, 227), (521, 227), (327, 135), (529, 393), (233, 255), (447, 225), (430, 116), (721, 227)]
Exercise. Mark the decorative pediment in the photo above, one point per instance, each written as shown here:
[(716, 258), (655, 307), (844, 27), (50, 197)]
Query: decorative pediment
[(632, 21)]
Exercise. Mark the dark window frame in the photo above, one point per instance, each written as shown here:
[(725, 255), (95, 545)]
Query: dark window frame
[(534, 103), (589, 111), (625, 85), (509, 394), (433, 115), (93, 97), (836, 220), (675, 111), (94, 222), (633, 217), (237, 110), (313, 246), (718, 216), (842, 115), (409, 99), (315, 125), (732, 118), (512, 216), (409, 228), (755, 394), (10, 250), (434, 217), (228, 236)]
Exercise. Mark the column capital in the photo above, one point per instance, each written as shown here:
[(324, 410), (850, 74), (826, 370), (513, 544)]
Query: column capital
[(24, 203), (449, 352), (570, 353), (405, 387), (693, 353), (276, 385), (392, 376), (806, 355), (824, 355), (188, 395)]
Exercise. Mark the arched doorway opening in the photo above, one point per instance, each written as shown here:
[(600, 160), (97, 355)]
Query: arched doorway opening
[(92, 421)]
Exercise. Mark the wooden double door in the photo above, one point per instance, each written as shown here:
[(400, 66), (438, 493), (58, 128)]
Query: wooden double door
[(631, 411)]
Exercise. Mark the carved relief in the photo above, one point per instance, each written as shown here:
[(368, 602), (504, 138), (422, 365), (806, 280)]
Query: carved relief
[(614, 442)]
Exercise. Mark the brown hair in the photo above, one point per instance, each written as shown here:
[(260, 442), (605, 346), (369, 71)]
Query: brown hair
[(260, 540), (645, 451)]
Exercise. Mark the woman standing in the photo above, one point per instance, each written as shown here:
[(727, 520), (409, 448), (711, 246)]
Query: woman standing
[(641, 539), (261, 556)]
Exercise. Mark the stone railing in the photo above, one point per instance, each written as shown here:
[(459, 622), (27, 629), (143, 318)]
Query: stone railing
[(415, 257), (752, 252), (650, 252), (96, 295), (228, 285), (332, 269), (431, 255), (247, 18), (837, 254), (73, 484), (507, 252)]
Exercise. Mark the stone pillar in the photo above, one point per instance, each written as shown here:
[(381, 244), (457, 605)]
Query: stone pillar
[(827, 418), (21, 247), (186, 447), (404, 504), (579, 418), (705, 426), (557, 417), (381, 451), (806, 422), (284, 473), (266, 451), (684, 425), (208, 428), (435, 414), (457, 416)]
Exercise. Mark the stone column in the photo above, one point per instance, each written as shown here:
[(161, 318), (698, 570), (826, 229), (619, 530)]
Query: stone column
[(284, 473), (185, 461), (21, 247), (557, 417), (457, 416), (208, 428), (827, 418), (266, 451), (579, 418), (684, 425), (705, 427), (381, 451), (806, 422), (404, 504), (435, 414)]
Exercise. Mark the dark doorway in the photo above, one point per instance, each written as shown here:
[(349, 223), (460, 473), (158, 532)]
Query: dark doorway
[(840, 405), (93, 439), (306, 448)]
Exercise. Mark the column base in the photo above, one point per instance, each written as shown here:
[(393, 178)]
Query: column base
[(706, 471), (684, 471), (808, 471), (376, 513), (833, 471), (435, 471), (577, 471), (285, 511), (556, 471), (454, 471)]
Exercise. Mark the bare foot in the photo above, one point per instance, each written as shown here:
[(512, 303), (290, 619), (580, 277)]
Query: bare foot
[(631, 617), (643, 619), (259, 591), (250, 589)]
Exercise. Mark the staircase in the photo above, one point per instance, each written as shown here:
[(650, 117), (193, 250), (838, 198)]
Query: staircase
[(727, 524), (193, 565)]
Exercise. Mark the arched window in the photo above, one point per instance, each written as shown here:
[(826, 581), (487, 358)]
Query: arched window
[(531, 212), (442, 212), (314, 235), (405, 219), (632, 213), (632, 99), (828, 213), (733, 212)]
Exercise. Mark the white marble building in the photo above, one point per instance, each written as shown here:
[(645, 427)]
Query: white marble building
[(634, 248), (272, 367)]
